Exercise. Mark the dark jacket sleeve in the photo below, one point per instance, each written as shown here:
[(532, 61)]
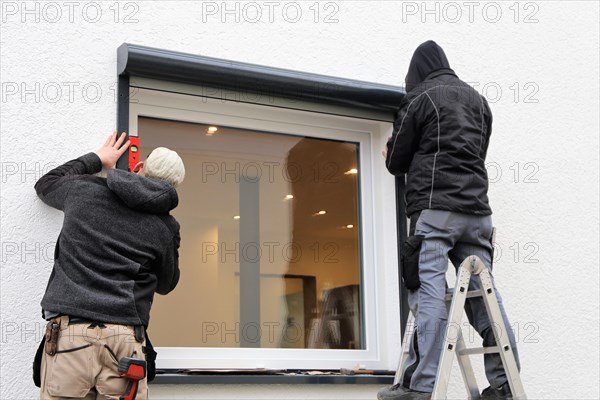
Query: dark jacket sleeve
[(53, 188), (167, 271), (403, 144)]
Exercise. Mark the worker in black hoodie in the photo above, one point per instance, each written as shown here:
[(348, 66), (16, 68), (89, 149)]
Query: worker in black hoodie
[(117, 247), (440, 140)]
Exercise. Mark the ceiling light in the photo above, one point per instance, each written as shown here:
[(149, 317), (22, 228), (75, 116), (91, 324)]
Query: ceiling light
[(349, 226), (322, 212), (352, 171), (211, 130), (289, 196), (236, 217)]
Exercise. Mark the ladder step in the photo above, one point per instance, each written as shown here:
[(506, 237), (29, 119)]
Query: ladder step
[(472, 293), (479, 350)]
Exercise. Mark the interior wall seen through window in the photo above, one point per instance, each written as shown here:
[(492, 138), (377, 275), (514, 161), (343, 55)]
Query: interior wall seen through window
[(270, 252)]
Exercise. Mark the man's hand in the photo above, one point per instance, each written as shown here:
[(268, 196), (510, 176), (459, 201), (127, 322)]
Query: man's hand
[(112, 150), (385, 148)]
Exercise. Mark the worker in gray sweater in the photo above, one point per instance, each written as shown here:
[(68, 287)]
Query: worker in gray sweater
[(117, 247)]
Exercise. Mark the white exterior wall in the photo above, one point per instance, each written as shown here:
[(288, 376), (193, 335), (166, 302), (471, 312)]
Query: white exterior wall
[(550, 208)]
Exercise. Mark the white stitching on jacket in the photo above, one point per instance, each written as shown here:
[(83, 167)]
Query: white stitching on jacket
[(402, 122), (438, 149)]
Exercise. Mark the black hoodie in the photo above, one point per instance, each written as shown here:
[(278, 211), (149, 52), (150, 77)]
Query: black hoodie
[(427, 58), (118, 244), (440, 139)]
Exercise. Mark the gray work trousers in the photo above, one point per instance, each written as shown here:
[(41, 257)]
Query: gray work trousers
[(455, 236)]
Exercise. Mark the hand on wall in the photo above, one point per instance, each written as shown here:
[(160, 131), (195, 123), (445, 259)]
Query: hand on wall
[(112, 150)]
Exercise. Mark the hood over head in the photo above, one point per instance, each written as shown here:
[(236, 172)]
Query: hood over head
[(428, 57), (143, 194)]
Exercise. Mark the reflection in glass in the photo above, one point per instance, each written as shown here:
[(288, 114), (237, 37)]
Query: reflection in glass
[(270, 251)]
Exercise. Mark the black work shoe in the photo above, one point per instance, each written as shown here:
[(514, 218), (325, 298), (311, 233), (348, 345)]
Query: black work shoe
[(414, 395), (399, 392), (392, 392), (502, 393)]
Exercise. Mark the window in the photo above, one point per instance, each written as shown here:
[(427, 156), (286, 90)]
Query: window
[(278, 257)]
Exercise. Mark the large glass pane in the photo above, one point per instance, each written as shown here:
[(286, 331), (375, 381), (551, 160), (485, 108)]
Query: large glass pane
[(270, 252)]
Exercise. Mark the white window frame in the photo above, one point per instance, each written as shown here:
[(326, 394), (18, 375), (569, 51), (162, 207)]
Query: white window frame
[(379, 274)]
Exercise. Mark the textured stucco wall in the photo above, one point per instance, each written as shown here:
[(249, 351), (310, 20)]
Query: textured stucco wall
[(56, 56)]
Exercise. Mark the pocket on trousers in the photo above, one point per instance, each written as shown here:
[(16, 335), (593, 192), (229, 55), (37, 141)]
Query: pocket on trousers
[(410, 261), (68, 374)]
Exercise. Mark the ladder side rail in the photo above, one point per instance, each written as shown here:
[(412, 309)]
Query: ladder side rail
[(466, 369), (501, 335), (408, 338), (454, 319)]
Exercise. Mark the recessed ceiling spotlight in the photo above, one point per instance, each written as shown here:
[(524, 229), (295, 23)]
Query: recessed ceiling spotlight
[(236, 217), (322, 212), (288, 197), (349, 226), (352, 171), (211, 130)]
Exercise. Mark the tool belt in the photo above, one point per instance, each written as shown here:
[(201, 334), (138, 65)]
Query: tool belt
[(49, 344), (53, 331), (139, 330)]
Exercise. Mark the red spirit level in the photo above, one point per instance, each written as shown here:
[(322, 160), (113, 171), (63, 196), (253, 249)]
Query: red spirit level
[(134, 152)]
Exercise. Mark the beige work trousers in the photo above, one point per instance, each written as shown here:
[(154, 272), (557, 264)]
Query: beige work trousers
[(90, 373)]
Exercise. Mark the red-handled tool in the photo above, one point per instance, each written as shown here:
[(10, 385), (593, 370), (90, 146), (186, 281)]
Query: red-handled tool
[(134, 152), (133, 369)]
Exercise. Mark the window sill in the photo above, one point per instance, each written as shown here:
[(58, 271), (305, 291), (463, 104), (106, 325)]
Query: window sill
[(173, 377)]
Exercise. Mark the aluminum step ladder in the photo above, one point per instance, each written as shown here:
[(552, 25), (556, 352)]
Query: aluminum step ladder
[(454, 344)]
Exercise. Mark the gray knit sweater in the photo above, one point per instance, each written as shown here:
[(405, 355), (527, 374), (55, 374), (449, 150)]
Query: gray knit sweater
[(118, 244)]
